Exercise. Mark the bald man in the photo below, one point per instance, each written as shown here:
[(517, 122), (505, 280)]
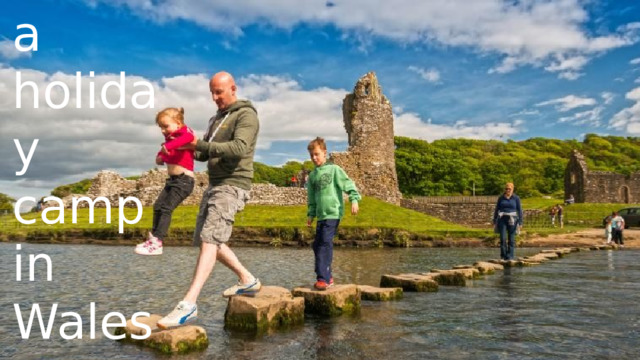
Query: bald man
[(228, 147)]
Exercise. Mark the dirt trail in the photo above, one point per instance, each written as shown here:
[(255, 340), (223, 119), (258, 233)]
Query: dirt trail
[(583, 238)]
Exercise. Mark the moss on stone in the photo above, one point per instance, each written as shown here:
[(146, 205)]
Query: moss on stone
[(248, 322), (382, 296), (200, 343)]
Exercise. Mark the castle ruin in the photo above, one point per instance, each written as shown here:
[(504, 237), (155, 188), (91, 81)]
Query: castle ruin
[(589, 186), (370, 157)]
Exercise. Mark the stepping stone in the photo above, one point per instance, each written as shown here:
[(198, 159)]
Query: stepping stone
[(487, 267), (380, 294), (462, 267), (456, 277), (181, 339), (272, 308), (410, 282), (517, 263), (549, 256), (541, 257), (558, 252), (336, 300)]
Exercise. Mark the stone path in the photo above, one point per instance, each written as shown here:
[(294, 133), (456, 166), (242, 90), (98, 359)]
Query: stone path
[(275, 307)]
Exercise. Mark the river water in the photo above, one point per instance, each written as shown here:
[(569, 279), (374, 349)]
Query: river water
[(585, 305)]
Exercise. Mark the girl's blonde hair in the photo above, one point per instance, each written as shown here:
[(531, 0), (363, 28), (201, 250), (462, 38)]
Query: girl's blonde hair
[(317, 142), (176, 114)]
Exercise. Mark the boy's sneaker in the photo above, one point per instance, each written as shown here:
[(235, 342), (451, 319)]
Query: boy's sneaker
[(153, 246), (240, 289), (181, 314), (323, 285)]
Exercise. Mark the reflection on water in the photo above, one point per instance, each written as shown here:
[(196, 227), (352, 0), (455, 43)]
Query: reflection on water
[(585, 305)]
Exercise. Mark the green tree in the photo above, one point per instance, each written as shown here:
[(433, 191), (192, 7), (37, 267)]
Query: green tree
[(6, 203)]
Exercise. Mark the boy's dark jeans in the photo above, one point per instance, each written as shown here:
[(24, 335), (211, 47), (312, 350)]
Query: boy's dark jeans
[(176, 189), (323, 247)]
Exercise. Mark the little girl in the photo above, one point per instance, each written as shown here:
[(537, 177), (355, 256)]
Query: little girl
[(180, 182)]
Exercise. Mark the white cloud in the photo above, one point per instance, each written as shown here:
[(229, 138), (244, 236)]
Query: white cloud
[(430, 75), (589, 117), (411, 125), (628, 119), (635, 61), (607, 97), (526, 112), (569, 75), (568, 102), (8, 50), (541, 33)]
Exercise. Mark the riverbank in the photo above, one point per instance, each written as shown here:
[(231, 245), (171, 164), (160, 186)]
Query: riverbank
[(303, 237)]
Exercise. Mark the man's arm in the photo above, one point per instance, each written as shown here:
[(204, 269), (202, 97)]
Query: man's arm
[(244, 135)]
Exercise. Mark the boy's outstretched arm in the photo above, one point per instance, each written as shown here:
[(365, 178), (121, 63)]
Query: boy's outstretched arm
[(347, 185)]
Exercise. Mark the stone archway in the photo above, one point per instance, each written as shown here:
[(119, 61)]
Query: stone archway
[(623, 194)]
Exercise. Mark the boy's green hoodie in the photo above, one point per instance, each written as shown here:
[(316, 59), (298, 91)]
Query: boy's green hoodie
[(230, 152), (327, 182)]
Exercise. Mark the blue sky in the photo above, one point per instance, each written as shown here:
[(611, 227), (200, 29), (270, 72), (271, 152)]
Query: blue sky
[(486, 69)]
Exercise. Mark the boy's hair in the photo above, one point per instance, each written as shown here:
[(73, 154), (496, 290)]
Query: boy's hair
[(177, 114), (317, 142)]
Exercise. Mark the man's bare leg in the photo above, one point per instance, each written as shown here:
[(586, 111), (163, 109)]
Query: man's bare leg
[(229, 259), (204, 266)]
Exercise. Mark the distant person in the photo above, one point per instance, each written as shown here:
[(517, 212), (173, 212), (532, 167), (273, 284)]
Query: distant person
[(607, 227), (306, 179), (327, 182), (508, 218), (228, 147), (40, 205), (570, 200), (552, 215), (617, 227), (180, 182), (294, 181), (559, 212)]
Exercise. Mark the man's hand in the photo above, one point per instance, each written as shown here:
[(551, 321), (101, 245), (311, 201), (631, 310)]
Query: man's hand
[(309, 221), (164, 150), (189, 146), (354, 208), (159, 161)]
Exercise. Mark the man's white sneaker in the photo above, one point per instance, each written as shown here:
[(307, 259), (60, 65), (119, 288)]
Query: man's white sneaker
[(246, 289), (180, 314)]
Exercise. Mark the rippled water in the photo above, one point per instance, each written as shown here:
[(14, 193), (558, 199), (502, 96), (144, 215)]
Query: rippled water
[(583, 306)]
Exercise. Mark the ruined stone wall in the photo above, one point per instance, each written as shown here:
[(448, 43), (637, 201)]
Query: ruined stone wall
[(608, 187), (370, 157), (599, 186), (112, 186), (471, 214), (463, 210)]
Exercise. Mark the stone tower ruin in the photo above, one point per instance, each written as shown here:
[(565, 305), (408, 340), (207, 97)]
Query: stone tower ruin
[(370, 157)]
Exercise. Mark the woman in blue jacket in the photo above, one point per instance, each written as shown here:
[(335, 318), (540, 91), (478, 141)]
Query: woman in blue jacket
[(507, 218)]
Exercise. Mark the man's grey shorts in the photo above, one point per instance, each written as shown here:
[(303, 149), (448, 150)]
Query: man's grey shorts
[(217, 212)]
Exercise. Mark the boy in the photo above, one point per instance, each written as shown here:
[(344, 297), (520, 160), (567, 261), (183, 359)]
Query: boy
[(327, 182)]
